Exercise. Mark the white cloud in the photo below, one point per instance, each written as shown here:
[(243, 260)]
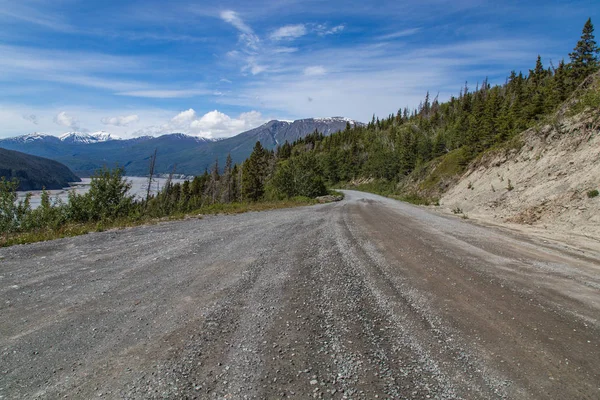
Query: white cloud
[(213, 124), (246, 35), (184, 118), (288, 32), (216, 124), (316, 70), (253, 67), (398, 34), (63, 119), (124, 120), (233, 18), (323, 30), (375, 79)]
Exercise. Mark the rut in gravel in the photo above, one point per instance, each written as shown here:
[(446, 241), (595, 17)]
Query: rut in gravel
[(363, 298)]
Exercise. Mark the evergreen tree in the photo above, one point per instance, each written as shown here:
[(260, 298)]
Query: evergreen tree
[(584, 59), (253, 173)]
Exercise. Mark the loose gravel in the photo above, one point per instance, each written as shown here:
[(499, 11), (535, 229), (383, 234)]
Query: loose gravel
[(360, 299)]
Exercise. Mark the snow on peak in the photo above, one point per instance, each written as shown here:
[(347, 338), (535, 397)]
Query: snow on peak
[(103, 136), (87, 138), (335, 119), (31, 137)]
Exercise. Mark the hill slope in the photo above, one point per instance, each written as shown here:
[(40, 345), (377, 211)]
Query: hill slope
[(190, 155), (34, 173), (545, 182)]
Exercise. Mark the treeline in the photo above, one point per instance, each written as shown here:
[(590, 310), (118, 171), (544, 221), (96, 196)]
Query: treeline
[(466, 125)]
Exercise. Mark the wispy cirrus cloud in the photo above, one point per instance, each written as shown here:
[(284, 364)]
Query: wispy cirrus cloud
[(246, 35), (399, 34), (165, 93), (31, 118), (315, 70)]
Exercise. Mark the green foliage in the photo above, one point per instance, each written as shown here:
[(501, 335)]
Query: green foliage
[(584, 59), (253, 174), (298, 176), (593, 193), (47, 215), (107, 198), (12, 212)]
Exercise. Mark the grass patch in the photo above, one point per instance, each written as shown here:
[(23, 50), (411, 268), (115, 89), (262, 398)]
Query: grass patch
[(416, 199), (76, 229), (589, 99), (445, 168)]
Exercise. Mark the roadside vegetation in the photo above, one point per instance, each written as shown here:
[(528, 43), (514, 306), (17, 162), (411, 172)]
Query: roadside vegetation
[(413, 156), (108, 203)]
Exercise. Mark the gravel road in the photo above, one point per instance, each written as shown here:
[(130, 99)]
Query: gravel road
[(365, 298)]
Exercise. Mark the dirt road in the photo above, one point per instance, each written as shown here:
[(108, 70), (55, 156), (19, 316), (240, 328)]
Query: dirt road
[(365, 298)]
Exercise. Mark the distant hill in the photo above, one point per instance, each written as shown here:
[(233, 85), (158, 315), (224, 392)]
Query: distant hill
[(34, 173), (189, 154)]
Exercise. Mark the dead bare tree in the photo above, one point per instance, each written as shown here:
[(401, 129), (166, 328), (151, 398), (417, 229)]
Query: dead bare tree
[(150, 175)]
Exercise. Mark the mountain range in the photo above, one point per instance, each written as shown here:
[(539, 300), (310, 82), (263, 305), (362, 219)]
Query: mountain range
[(189, 155)]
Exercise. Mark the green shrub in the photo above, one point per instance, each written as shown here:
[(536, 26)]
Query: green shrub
[(297, 176), (12, 213), (107, 198), (592, 193)]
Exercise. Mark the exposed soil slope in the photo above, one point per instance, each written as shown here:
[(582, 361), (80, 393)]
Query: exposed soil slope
[(545, 182)]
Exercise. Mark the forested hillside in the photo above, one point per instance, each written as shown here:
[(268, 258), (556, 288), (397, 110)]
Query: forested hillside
[(34, 173), (438, 139), (415, 153)]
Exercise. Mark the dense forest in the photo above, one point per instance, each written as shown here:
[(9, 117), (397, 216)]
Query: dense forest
[(387, 150)]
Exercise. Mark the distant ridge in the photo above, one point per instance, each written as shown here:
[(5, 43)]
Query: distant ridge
[(190, 155), (34, 173)]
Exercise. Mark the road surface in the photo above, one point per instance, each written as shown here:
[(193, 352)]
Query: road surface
[(365, 298)]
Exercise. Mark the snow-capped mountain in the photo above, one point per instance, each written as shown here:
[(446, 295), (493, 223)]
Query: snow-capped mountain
[(31, 137), (185, 136), (87, 138)]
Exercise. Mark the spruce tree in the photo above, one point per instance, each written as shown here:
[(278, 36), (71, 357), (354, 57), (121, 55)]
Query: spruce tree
[(584, 59), (253, 173)]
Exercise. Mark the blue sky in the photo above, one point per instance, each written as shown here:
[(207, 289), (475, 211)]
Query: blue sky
[(216, 69)]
